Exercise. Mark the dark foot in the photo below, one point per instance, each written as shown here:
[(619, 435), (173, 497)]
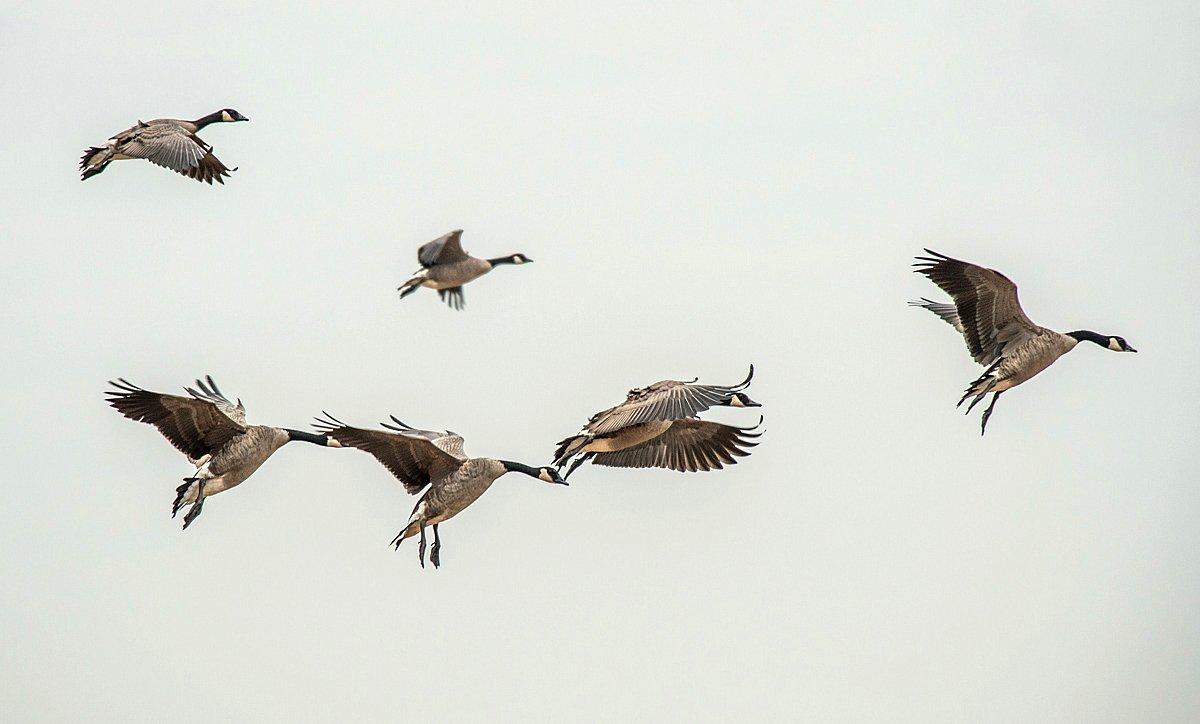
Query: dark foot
[(421, 549), (434, 555), (194, 512), (578, 461), (988, 413)]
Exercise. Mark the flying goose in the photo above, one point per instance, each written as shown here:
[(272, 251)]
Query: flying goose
[(657, 427), (167, 142), (998, 334), (211, 431), (446, 268), (433, 462)]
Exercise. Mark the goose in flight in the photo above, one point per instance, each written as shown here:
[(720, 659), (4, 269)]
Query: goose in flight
[(433, 462), (167, 142), (999, 335), (446, 268), (657, 427), (211, 432)]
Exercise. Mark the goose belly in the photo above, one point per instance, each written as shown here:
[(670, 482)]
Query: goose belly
[(627, 437), (452, 496), (455, 275), (1031, 358), (241, 456)]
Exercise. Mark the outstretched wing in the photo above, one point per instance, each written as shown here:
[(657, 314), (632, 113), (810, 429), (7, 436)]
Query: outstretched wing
[(414, 456), (442, 250), (164, 144), (687, 446), (172, 146), (666, 400), (986, 303), (195, 425)]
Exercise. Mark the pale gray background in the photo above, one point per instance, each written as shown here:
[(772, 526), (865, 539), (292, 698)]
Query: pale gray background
[(699, 189)]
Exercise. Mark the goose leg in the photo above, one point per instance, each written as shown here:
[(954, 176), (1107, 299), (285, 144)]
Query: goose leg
[(578, 461), (434, 552), (194, 512), (988, 413), (421, 548)]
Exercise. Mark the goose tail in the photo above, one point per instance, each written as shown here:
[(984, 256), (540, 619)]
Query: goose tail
[(981, 386), (94, 160), (185, 494)]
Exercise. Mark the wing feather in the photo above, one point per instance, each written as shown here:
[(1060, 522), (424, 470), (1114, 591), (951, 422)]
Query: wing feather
[(442, 250), (986, 303), (196, 426), (412, 456), (666, 400), (689, 445)]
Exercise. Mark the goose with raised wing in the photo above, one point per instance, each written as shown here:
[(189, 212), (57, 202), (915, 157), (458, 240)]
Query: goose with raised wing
[(167, 142), (658, 427), (211, 432), (999, 335), (446, 268), (433, 462)]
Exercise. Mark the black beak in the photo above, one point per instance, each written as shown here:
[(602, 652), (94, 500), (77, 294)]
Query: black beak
[(1130, 349)]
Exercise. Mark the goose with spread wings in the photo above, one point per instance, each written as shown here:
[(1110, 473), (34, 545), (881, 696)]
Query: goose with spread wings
[(658, 427), (446, 268), (434, 462), (999, 335), (211, 432), (167, 142)]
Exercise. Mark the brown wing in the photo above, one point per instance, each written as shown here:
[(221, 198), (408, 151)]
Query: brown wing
[(196, 427), (687, 446), (442, 250), (209, 168), (666, 400), (413, 457), (986, 302)]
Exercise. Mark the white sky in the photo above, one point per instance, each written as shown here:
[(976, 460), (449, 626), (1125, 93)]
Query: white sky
[(699, 189)]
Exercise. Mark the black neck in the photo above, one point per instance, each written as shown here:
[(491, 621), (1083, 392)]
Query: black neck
[(214, 117), (501, 260), (303, 436), (520, 468), (1090, 336)]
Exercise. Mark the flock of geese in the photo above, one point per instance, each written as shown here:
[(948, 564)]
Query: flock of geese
[(657, 426)]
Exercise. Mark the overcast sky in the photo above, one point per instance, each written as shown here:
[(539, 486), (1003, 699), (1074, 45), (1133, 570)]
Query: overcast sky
[(699, 190)]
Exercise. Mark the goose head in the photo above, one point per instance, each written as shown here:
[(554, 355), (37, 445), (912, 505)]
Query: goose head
[(1118, 344), (511, 259), (1107, 341), (741, 399), (228, 115), (545, 474), (550, 475)]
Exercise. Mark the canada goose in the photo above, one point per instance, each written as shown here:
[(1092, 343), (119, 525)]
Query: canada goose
[(211, 431), (435, 462), (657, 427), (446, 268), (167, 142), (988, 314)]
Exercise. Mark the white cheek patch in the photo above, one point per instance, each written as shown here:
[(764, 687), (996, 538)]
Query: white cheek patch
[(226, 117), (1113, 344), (545, 477), (736, 401)]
